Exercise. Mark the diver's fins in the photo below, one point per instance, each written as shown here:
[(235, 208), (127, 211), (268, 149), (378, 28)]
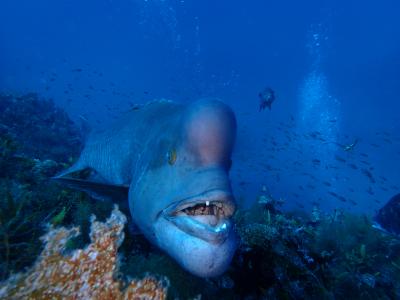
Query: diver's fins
[(97, 190)]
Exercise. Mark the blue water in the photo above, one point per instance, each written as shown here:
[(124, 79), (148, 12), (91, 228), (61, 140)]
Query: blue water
[(334, 65)]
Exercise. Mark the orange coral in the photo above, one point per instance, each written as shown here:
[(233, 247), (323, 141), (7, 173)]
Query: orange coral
[(85, 273)]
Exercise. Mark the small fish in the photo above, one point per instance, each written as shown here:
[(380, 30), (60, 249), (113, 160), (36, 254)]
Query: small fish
[(333, 194), (316, 161), (315, 134), (338, 158), (353, 166), (307, 174), (310, 186), (388, 141), (134, 107), (332, 167), (353, 202), (370, 191), (83, 118), (368, 174)]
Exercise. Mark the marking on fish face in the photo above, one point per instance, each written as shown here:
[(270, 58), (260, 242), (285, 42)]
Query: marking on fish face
[(172, 156)]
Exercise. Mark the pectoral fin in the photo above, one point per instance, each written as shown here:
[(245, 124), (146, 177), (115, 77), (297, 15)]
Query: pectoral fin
[(97, 190)]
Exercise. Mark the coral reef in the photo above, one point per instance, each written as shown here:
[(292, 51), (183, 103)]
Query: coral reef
[(84, 273), (281, 255), (324, 256), (28, 199), (289, 256), (41, 129)]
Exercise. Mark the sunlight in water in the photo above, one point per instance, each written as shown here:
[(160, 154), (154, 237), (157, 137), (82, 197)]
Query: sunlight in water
[(319, 111), (160, 17)]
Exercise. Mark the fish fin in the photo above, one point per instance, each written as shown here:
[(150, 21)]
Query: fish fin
[(80, 171), (97, 190), (74, 168)]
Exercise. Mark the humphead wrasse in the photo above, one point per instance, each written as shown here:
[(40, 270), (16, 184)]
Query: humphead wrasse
[(171, 163)]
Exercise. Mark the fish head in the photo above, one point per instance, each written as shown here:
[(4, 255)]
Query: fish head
[(185, 204)]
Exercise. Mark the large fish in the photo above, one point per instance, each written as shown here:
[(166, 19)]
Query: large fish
[(171, 163), (388, 217)]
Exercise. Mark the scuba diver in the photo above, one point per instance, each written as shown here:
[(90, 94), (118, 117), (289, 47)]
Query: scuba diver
[(267, 96)]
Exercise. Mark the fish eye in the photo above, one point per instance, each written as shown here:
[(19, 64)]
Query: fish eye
[(171, 156)]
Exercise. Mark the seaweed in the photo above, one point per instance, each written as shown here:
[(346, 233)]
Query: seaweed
[(28, 200)]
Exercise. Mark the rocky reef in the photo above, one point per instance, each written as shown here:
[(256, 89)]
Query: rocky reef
[(84, 273), (291, 256), (39, 128), (32, 136), (316, 256)]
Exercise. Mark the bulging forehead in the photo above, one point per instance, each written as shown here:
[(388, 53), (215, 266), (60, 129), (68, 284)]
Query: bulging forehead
[(209, 130)]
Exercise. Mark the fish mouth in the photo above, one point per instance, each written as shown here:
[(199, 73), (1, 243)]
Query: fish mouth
[(206, 216)]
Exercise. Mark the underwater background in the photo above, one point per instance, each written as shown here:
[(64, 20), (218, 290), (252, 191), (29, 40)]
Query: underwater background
[(308, 175)]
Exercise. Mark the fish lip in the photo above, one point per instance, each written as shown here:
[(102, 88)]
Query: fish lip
[(213, 234), (213, 196)]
